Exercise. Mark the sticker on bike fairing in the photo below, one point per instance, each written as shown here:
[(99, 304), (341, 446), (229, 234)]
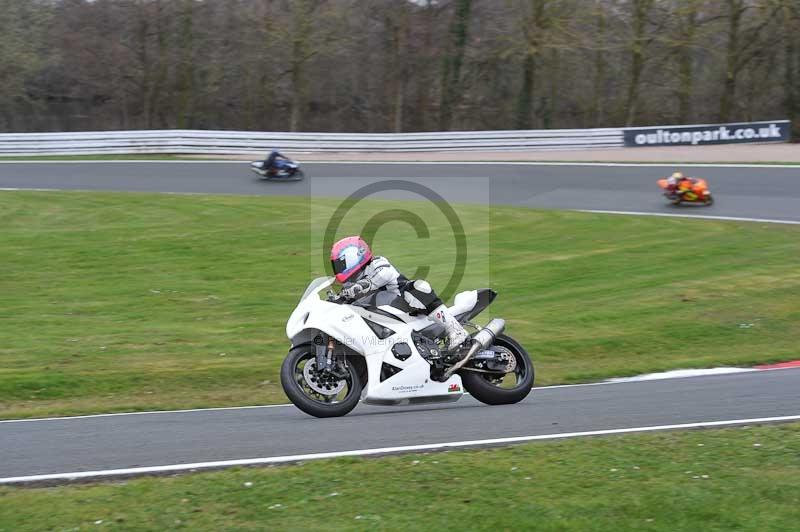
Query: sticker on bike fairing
[(408, 389), (454, 388)]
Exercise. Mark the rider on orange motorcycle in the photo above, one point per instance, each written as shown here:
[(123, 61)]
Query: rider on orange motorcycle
[(679, 183)]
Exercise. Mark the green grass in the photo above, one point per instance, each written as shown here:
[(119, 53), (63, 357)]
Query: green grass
[(710, 480), (116, 302)]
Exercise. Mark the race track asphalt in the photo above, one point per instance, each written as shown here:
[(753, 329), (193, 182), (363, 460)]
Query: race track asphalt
[(127, 441), (39, 447), (752, 192)]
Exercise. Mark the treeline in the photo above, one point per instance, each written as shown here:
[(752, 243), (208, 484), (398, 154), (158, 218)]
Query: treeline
[(395, 65)]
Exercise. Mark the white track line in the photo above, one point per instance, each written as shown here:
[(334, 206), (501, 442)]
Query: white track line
[(795, 166), (117, 414), (16, 189), (378, 451), (701, 216)]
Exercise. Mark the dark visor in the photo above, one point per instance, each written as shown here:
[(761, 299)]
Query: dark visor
[(339, 265)]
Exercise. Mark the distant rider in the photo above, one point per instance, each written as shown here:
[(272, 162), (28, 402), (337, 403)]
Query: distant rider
[(679, 183), (360, 273), (269, 162)]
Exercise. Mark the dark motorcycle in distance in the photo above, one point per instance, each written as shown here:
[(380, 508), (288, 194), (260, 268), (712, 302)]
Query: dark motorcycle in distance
[(281, 170)]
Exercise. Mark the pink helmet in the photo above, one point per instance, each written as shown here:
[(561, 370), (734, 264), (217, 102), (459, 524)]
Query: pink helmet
[(349, 256)]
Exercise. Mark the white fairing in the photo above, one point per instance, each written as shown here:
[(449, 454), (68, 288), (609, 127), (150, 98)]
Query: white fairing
[(464, 302), (345, 324)]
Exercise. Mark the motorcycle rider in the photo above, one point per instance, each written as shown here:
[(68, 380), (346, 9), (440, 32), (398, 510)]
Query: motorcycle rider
[(360, 272), (269, 162), (679, 183)]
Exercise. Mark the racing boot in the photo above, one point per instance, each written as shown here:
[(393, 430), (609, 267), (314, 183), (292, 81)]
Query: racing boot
[(456, 335)]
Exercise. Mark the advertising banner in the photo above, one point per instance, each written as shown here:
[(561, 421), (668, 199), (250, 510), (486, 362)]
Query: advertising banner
[(773, 131)]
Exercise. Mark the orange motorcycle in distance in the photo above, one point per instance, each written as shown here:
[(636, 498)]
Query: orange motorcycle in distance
[(692, 190)]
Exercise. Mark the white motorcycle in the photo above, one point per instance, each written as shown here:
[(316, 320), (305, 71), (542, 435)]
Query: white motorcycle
[(381, 351)]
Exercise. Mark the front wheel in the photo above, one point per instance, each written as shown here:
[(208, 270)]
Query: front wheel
[(502, 389), (319, 393), (709, 200)]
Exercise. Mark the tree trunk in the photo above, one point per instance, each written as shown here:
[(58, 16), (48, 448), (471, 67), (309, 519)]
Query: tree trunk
[(524, 113), (399, 102), (144, 62), (161, 70), (301, 53), (790, 63), (451, 71), (399, 41), (685, 70), (534, 27), (550, 110), (735, 11), (598, 89), (185, 92), (641, 11)]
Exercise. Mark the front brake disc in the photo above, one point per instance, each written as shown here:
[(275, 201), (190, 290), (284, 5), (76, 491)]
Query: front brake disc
[(321, 381)]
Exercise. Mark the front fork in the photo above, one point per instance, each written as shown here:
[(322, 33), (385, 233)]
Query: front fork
[(324, 354)]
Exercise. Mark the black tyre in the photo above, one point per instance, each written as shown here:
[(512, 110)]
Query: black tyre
[(316, 393), (509, 389), (709, 200)]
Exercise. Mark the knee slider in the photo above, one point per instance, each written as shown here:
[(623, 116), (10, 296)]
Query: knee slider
[(413, 301)]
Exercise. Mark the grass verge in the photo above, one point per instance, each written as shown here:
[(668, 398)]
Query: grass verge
[(731, 479), (118, 301)]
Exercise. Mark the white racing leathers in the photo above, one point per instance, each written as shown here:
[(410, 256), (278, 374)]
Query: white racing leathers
[(379, 273)]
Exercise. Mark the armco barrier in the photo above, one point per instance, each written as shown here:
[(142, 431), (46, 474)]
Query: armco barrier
[(233, 142)]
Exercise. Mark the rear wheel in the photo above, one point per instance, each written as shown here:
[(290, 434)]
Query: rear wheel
[(319, 393), (499, 388)]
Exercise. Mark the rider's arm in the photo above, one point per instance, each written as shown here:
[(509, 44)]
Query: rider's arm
[(379, 273)]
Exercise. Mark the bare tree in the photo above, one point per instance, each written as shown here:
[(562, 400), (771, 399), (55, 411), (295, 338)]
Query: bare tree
[(743, 44), (790, 29), (21, 28), (394, 65), (641, 39), (454, 57)]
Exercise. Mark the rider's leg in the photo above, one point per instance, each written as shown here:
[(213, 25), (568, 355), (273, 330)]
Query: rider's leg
[(420, 295), (269, 162)]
